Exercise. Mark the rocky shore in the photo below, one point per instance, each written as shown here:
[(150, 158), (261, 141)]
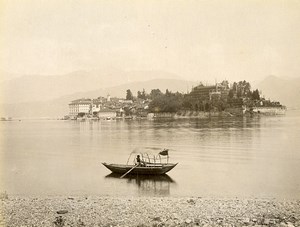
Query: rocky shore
[(146, 211)]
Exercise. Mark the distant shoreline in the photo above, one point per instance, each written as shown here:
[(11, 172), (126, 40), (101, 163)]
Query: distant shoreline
[(234, 112), (147, 211)]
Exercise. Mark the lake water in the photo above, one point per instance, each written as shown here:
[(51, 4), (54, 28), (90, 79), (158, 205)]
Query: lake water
[(255, 157)]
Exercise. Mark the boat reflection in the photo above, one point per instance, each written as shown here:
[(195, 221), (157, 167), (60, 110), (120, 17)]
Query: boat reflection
[(147, 184)]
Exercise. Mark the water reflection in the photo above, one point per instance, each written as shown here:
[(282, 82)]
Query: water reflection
[(146, 184), (242, 156)]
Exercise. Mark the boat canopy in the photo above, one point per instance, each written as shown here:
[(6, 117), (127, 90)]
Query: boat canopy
[(150, 155)]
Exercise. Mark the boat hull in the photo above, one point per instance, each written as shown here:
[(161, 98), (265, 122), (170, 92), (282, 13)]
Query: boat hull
[(148, 170)]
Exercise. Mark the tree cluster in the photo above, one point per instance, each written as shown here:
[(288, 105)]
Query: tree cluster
[(173, 102), (142, 95), (168, 102), (129, 95), (242, 89)]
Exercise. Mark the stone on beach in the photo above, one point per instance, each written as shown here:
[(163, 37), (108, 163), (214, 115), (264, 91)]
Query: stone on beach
[(147, 211), (191, 201), (62, 212), (188, 221), (246, 220)]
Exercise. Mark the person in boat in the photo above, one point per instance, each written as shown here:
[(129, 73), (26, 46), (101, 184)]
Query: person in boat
[(139, 161)]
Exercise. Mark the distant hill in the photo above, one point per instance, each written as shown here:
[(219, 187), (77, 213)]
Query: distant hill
[(31, 88), (4, 76), (59, 107), (287, 91)]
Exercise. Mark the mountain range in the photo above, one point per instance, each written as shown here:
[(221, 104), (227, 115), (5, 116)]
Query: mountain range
[(285, 90), (30, 88), (35, 96), (49, 96)]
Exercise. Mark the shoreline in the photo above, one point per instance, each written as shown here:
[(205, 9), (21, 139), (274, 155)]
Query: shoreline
[(146, 211), (182, 114)]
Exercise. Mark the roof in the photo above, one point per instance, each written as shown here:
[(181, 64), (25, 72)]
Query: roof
[(106, 110), (81, 101), (148, 150), (201, 86)]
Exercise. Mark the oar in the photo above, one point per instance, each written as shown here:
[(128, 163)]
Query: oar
[(128, 171)]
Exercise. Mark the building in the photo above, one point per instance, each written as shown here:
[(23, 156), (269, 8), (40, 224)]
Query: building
[(200, 96), (223, 88), (120, 113), (96, 106), (107, 113), (105, 108), (108, 98), (124, 101), (80, 107)]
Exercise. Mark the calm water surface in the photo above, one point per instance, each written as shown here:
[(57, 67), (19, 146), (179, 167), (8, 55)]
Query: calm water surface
[(233, 157)]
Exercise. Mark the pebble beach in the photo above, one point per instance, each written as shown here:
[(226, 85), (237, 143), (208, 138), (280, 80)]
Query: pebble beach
[(146, 211)]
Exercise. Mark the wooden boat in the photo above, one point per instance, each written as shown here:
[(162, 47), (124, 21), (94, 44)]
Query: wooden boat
[(151, 170), (148, 165)]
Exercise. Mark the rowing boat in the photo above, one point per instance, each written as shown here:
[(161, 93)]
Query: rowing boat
[(144, 164), (151, 170)]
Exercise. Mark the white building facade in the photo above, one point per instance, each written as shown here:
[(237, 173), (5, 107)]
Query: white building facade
[(96, 106), (80, 106)]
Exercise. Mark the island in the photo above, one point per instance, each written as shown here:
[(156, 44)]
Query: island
[(221, 99)]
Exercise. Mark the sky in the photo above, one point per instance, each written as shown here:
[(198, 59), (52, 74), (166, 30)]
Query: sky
[(203, 39)]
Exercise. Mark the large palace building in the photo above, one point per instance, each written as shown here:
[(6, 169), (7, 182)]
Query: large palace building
[(201, 96), (79, 106)]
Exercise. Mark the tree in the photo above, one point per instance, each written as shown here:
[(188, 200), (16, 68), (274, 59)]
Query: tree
[(168, 93), (139, 95), (255, 95), (169, 102), (144, 95), (187, 105), (155, 93), (239, 93), (187, 102), (247, 87), (234, 87), (230, 94), (207, 107), (225, 84), (249, 94), (127, 111), (129, 95), (221, 105), (243, 88)]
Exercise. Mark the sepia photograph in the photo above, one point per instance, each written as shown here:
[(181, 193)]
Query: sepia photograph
[(148, 113)]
